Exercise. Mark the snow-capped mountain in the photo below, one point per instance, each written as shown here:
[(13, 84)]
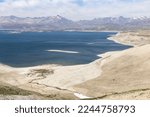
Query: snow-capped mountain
[(116, 23), (53, 23), (34, 24)]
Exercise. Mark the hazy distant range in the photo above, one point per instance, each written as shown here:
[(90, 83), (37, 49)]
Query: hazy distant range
[(59, 23)]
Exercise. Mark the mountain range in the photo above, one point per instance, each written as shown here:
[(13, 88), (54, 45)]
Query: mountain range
[(59, 23)]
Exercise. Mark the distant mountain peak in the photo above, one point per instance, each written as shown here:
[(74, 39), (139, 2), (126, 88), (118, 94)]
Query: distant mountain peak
[(141, 17), (11, 16), (58, 17)]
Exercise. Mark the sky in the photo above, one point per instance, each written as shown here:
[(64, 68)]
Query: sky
[(75, 9)]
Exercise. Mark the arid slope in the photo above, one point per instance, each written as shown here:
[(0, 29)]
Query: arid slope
[(125, 75)]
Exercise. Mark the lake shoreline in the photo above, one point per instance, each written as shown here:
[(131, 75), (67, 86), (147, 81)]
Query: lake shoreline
[(74, 48), (62, 82)]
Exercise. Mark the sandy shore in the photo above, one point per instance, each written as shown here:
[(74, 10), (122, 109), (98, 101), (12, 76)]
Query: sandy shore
[(134, 38), (117, 75)]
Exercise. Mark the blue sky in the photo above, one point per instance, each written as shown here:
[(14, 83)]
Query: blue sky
[(79, 2), (76, 9), (2, 0)]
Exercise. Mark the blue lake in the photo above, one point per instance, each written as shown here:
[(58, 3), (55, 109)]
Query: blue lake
[(30, 48)]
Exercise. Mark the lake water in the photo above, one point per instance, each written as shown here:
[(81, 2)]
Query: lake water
[(31, 48)]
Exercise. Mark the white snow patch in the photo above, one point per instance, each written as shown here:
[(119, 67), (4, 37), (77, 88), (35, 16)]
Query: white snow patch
[(81, 96), (63, 51)]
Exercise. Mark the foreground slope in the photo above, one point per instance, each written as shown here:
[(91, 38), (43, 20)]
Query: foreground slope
[(125, 75)]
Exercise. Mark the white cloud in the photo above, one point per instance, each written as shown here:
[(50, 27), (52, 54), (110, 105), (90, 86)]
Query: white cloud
[(76, 9)]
